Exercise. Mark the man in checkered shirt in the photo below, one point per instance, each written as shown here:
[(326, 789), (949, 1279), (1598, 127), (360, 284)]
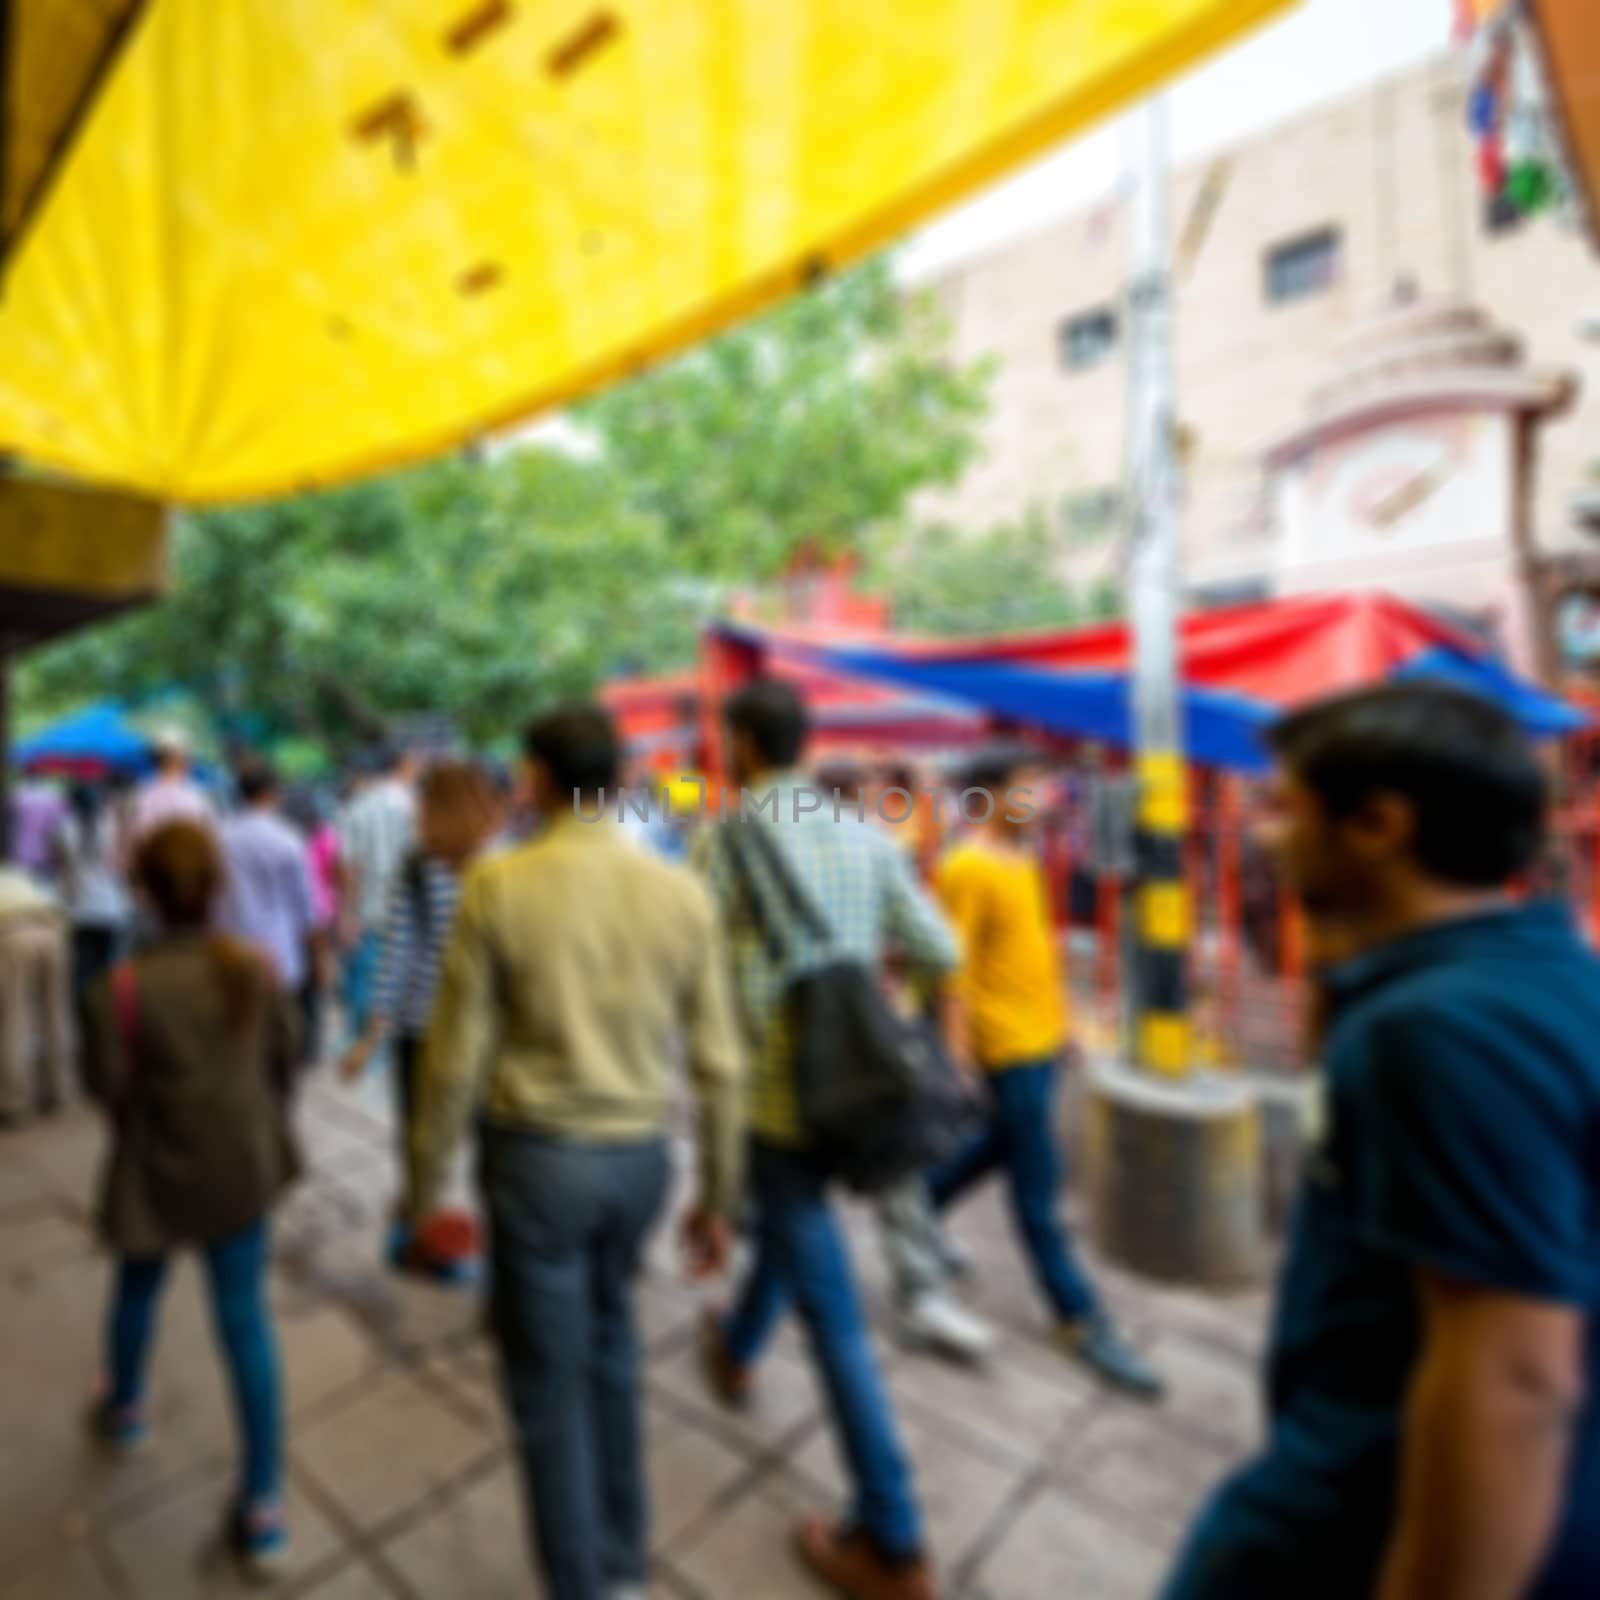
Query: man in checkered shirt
[(864, 889)]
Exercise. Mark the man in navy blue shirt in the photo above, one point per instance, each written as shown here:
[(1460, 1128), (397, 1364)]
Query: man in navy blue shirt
[(1433, 1379)]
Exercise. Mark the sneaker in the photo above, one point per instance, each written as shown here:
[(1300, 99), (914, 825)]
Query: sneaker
[(1094, 1342), (259, 1540), (852, 1565), (732, 1384), (938, 1323), (124, 1430)]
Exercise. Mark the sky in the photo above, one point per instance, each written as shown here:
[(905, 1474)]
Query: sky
[(1321, 50)]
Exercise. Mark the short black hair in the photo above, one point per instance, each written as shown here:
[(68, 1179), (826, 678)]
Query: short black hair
[(577, 745), (995, 765), (256, 780), (772, 713), (1468, 771)]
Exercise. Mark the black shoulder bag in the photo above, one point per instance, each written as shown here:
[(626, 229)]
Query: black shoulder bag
[(879, 1098)]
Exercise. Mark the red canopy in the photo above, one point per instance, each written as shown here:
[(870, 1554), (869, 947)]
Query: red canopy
[(1281, 651)]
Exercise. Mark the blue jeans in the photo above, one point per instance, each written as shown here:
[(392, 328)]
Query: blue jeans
[(1020, 1139), (360, 975), (567, 1223), (236, 1270), (801, 1253)]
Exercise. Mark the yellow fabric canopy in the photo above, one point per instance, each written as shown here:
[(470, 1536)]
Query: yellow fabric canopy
[(55, 53), (299, 240)]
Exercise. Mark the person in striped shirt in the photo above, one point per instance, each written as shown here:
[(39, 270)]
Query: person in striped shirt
[(458, 814), (377, 830)]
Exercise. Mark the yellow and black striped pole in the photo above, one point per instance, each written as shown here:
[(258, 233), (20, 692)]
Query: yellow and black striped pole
[(1161, 1000), (1161, 913), (1175, 1156)]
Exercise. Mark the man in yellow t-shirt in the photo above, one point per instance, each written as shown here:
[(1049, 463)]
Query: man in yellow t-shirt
[(1014, 1017)]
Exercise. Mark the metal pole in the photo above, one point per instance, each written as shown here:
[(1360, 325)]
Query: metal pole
[(1161, 1042), (6, 781)]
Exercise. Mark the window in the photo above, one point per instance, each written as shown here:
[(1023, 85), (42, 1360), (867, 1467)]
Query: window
[(1304, 266), (1088, 339), (1091, 517)]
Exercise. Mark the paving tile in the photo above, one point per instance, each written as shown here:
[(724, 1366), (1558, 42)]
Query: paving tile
[(746, 1552), (359, 1581), (690, 1471), (175, 1551), (473, 1544), (665, 1310), (67, 1152), (397, 1425), (21, 1188), (787, 1394), (31, 1241), (1210, 1391), (404, 1316), (387, 1450), (52, 1476), (1059, 1547), (1137, 1465), (1002, 1405), (65, 1571), (960, 1488), (471, 1374), (323, 1353)]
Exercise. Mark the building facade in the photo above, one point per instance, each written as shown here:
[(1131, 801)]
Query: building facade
[(1288, 247)]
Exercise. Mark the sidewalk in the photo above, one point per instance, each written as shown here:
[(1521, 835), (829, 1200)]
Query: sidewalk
[(1037, 1485)]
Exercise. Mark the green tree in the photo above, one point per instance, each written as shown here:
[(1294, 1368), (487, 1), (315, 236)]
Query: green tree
[(811, 428), (944, 581), (472, 589)]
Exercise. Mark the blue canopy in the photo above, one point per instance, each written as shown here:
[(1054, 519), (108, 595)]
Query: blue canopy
[(99, 738), (1220, 729), (1540, 713)]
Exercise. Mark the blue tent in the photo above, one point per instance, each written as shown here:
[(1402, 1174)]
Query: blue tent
[(1220, 729), (1541, 714), (97, 740)]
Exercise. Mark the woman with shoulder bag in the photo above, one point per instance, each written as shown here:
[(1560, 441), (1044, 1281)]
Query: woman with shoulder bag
[(191, 1048)]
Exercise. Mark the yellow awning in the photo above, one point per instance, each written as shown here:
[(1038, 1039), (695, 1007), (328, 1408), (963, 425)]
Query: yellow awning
[(299, 240), (56, 53)]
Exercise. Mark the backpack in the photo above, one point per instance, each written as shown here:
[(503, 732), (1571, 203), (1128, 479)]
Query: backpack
[(879, 1098)]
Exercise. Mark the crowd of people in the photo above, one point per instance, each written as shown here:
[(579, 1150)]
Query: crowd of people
[(552, 984)]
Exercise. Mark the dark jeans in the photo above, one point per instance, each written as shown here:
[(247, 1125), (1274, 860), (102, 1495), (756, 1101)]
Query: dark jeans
[(236, 1269), (311, 1001), (407, 1067), (567, 1223), (94, 951), (801, 1255), (1020, 1139)]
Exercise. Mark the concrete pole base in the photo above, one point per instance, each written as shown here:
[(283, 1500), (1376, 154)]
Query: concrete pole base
[(1176, 1175)]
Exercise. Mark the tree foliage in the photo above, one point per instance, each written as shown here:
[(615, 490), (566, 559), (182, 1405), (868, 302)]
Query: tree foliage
[(811, 427), (946, 581), (473, 589)]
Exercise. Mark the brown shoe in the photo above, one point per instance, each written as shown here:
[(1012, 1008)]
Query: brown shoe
[(850, 1563), (730, 1383)]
